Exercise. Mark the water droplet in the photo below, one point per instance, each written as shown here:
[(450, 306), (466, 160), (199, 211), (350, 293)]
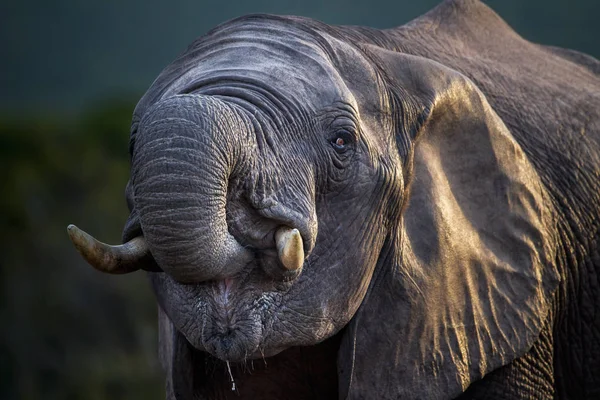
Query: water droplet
[(230, 376)]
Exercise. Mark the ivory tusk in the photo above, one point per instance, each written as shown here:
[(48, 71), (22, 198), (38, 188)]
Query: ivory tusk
[(121, 259), (290, 248)]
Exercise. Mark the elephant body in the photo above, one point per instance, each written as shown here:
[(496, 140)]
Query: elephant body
[(442, 181)]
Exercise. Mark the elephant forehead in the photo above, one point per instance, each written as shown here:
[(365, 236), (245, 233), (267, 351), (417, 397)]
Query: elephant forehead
[(312, 82), (267, 55)]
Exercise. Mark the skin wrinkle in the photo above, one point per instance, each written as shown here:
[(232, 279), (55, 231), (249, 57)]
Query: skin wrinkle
[(294, 109)]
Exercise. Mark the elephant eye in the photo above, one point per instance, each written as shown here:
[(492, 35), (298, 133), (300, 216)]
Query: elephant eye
[(341, 141)]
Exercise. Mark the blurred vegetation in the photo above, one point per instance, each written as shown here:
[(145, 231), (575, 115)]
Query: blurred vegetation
[(68, 331)]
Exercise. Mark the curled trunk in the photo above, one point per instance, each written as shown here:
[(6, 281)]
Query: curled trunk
[(185, 152)]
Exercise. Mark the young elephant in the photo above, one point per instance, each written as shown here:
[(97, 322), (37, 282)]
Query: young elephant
[(344, 212)]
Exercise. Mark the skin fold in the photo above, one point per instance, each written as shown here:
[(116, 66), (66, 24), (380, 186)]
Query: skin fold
[(442, 177)]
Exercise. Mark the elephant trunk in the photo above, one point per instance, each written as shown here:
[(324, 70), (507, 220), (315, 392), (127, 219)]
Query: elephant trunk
[(185, 152)]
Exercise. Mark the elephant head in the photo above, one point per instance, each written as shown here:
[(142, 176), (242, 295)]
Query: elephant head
[(289, 184)]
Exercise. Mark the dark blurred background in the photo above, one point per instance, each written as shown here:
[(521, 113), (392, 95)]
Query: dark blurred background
[(71, 72)]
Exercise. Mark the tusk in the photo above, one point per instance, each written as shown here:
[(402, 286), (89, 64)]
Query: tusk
[(290, 248), (122, 259)]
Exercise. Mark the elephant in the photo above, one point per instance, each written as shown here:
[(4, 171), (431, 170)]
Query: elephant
[(348, 212)]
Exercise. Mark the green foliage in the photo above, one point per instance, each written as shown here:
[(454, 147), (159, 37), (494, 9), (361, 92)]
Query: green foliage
[(69, 332)]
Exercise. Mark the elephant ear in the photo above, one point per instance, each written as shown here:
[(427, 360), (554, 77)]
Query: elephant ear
[(466, 281), (176, 359)]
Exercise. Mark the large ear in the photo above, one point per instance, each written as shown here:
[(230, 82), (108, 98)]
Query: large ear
[(467, 278)]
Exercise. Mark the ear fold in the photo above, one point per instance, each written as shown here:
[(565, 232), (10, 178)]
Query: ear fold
[(176, 359), (466, 281)]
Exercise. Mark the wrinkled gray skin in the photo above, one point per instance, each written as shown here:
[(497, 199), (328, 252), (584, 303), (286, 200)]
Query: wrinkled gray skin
[(444, 177)]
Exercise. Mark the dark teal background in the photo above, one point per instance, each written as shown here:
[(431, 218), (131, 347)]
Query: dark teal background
[(71, 72)]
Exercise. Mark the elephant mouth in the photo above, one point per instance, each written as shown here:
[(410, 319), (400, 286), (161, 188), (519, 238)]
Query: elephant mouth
[(230, 319), (235, 344), (233, 331)]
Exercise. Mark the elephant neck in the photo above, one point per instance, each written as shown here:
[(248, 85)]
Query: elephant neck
[(296, 373)]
